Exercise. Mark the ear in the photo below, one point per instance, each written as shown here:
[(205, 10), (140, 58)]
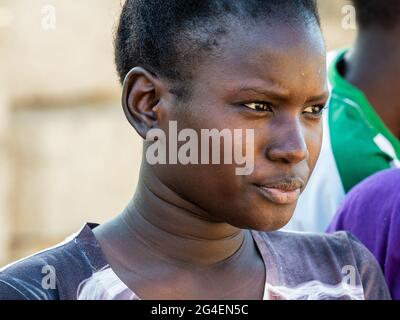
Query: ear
[(141, 95)]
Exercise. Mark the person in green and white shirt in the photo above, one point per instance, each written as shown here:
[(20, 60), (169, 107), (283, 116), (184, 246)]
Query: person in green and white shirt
[(362, 122)]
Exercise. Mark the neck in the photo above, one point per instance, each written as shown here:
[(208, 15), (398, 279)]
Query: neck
[(373, 65), (175, 229), (374, 51)]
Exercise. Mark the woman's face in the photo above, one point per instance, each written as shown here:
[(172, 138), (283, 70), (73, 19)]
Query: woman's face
[(271, 79)]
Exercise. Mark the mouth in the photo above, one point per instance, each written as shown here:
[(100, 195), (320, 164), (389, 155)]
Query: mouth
[(286, 191)]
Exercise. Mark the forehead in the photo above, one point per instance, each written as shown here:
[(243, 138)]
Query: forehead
[(288, 57)]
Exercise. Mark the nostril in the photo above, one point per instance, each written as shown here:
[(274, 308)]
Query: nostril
[(288, 143), (287, 154)]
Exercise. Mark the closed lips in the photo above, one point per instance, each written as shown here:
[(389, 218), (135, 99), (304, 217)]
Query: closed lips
[(286, 192)]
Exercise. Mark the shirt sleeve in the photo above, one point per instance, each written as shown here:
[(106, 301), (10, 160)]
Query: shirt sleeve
[(8, 292), (20, 287), (372, 279)]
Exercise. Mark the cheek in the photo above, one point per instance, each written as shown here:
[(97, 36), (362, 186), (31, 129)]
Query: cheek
[(214, 188), (313, 138)]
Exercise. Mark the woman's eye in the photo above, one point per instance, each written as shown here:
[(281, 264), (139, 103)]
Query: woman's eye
[(259, 106), (314, 110)]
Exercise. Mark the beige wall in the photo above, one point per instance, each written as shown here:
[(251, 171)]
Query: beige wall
[(74, 57), (335, 23), (70, 165), (5, 181), (67, 154)]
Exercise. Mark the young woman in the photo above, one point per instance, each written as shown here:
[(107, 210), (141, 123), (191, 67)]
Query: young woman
[(200, 231)]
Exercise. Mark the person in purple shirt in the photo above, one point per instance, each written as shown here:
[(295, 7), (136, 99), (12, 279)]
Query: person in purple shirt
[(371, 212)]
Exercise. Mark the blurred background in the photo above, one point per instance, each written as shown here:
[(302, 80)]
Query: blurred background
[(67, 154)]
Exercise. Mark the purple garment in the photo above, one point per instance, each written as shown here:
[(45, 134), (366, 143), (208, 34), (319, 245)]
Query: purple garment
[(371, 211)]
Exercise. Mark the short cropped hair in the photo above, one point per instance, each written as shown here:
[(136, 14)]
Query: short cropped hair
[(168, 37)]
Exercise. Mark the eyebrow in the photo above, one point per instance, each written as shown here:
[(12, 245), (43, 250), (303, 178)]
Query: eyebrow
[(281, 95), (323, 96), (275, 94)]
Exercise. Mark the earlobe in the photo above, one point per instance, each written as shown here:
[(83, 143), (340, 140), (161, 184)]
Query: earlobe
[(140, 95)]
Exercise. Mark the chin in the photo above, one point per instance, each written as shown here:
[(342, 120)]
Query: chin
[(271, 221), (274, 219)]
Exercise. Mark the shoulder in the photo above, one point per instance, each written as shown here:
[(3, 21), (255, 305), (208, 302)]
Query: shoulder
[(376, 200), (319, 252), (341, 245), (329, 258), (26, 278), (322, 241), (385, 183), (50, 274)]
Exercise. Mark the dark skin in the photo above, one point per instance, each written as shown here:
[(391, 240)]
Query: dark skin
[(373, 65), (185, 234)]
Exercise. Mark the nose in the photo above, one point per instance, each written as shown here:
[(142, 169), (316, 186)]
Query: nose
[(289, 145)]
